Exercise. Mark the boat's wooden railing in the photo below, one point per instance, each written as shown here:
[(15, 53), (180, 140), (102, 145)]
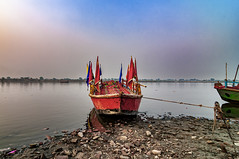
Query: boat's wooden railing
[(124, 83), (234, 80), (92, 89), (136, 87)]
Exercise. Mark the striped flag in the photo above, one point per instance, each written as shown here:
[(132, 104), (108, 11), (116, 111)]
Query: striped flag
[(88, 72)]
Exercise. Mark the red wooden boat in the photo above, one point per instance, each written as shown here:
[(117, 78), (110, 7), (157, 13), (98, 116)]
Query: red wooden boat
[(115, 97)]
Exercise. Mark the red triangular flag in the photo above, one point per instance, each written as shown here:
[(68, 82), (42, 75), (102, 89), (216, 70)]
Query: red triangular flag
[(135, 70), (131, 74), (97, 75)]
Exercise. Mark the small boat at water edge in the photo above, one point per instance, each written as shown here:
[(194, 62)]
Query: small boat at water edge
[(121, 97), (229, 94), (64, 81), (230, 90)]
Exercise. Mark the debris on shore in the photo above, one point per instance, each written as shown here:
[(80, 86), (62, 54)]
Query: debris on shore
[(140, 137)]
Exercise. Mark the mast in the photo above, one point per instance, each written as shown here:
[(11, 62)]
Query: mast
[(226, 77), (235, 76)]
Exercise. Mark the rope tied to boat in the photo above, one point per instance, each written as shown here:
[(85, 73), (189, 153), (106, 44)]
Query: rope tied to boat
[(171, 101)]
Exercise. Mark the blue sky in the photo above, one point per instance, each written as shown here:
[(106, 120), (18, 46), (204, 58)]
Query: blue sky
[(170, 39)]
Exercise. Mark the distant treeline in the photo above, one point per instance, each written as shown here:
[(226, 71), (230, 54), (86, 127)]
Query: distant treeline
[(67, 80), (41, 79)]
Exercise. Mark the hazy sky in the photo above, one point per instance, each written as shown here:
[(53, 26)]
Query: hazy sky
[(169, 38)]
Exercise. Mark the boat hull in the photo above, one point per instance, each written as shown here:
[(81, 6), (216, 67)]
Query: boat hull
[(127, 104), (228, 94)]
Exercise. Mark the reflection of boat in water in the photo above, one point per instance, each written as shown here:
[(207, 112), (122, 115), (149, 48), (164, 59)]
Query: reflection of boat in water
[(94, 121), (230, 90), (103, 123), (230, 110), (115, 97)]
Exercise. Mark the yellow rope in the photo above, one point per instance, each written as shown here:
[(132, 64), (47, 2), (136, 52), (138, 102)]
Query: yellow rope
[(170, 101)]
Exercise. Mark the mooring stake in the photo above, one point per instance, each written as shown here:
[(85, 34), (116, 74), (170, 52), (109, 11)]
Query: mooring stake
[(218, 114)]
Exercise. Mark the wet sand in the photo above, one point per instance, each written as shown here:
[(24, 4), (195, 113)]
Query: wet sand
[(138, 137)]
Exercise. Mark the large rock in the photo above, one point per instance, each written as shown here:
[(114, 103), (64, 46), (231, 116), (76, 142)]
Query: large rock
[(124, 157), (148, 133), (236, 143), (193, 137), (33, 145), (156, 152), (123, 138), (80, 134), (95, 137), (74, 140), (210, 142)]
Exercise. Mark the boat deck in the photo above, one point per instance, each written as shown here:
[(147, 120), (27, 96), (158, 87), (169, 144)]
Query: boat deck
[(112, 87)]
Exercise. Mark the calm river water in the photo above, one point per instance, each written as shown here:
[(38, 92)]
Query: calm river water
[(26, 109)]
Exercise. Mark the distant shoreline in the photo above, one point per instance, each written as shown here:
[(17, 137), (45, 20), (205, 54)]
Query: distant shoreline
[(31, 80)]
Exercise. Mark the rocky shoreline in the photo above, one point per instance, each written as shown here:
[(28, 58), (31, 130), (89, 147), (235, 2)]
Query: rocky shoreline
[(138, 137)]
